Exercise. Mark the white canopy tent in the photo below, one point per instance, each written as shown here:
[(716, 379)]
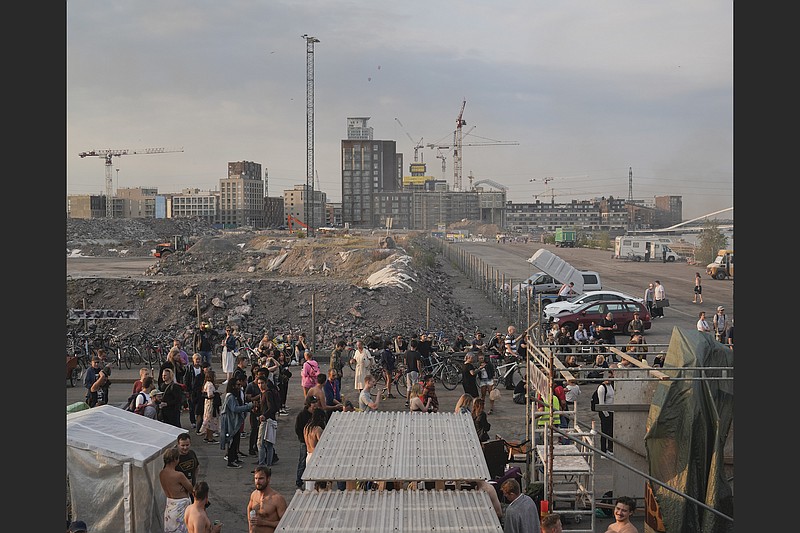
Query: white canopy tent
[(113, 461)]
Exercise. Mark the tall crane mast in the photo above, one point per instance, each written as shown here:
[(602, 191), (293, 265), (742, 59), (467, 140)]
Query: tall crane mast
[(457, 148), (309, 204), (108, 155)]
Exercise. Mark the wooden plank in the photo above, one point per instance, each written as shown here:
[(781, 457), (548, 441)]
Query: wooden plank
[(641, 364)]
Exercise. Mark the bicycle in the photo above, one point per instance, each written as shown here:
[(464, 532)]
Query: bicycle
[(509, 373), (443, 370), (155, 351), (78, 345), (398, 380)]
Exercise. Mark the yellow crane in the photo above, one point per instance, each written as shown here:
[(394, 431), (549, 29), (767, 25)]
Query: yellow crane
[(108, 155)]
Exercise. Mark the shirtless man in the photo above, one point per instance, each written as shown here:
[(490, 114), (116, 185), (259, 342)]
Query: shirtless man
[(195, 516), (266, 506), (623, 509), (177, 488), (318, 390)]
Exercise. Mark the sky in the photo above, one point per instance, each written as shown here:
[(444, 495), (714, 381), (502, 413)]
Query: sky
[(589, 90)]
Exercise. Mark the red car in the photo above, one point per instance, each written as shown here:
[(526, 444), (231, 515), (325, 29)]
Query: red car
[(622, 311)]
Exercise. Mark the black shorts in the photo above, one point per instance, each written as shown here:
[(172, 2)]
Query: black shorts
[(698, 289)]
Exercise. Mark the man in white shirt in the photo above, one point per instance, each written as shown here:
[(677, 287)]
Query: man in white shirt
[(659, 294), (581, 336), (702, 323), (566, 291)]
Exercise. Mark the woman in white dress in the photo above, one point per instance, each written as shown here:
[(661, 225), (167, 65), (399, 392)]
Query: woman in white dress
[(229, 352), (363, 359)]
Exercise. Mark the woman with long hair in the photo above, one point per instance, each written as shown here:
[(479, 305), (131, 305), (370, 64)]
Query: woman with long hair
[(482, 425), (210, 411), (416, 404), (311, 434), (464, 404)]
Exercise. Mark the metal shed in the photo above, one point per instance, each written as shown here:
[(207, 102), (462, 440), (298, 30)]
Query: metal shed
[(401, 511), (398, 446)]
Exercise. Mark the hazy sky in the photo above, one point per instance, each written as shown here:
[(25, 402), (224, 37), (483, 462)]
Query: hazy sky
[(588, 89)]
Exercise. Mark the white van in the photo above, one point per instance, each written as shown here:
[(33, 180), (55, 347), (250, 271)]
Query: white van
[(547, 286), (555, 272)]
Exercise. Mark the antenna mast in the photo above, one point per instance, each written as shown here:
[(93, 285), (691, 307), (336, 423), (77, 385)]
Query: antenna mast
[(309, 205)]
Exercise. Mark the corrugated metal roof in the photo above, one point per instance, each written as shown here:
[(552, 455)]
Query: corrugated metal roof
[(390, 446), (406, 511)]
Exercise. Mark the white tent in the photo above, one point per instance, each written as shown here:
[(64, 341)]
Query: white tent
[(113, 461)]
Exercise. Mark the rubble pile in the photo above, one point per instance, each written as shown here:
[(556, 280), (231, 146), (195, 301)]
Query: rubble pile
[(345, 287)]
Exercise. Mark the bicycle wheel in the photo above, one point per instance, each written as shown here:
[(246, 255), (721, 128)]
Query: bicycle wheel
[(513, 377), (400, 385), (377, 373), (125, 354), (75, 375), (135, 355), (450, 376)]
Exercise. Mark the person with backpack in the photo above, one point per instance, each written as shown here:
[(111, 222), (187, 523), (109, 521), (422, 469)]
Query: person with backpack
[(720, 322), (141, 402), (309, 373), (604, 394)]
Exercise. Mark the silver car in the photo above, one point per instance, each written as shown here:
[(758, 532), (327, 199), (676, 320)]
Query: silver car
[(569, 306)]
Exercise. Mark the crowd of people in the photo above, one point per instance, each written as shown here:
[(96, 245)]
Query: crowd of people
[(257, 391)]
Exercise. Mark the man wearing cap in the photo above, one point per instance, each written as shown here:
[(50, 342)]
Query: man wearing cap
[(720, 324), (88, 380)]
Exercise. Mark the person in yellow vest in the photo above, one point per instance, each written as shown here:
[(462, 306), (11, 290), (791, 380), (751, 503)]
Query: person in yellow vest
[(543, 408)]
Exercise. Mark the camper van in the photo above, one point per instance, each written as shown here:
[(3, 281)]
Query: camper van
[(645, 248)]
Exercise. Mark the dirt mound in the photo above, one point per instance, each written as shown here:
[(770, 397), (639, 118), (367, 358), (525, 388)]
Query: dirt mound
[(212, 245), (477, 228)]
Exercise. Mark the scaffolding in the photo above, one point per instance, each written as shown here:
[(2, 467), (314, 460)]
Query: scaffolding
[(564, 458)]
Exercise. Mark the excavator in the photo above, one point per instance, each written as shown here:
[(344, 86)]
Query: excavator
[(290, 220), (179, 243)]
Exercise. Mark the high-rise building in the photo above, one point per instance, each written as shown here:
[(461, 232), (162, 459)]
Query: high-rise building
[(242, 195), (368, 167)]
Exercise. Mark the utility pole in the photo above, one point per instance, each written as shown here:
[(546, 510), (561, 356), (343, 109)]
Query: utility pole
[(309, 205)]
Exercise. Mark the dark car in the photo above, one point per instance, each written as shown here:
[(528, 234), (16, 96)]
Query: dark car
[(621, 310)]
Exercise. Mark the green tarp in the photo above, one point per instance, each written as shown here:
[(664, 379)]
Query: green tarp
[(687, 429)]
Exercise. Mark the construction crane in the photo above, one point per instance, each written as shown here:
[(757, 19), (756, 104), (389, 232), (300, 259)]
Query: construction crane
[(108, 155), (547, 180), (441, 156), (416, 144), (457, 148), (458, 145)]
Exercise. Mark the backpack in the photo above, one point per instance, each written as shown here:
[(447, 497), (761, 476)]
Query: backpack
[(131, 405)]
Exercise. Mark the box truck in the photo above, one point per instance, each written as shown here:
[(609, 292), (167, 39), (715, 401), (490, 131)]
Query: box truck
[(565, 238)]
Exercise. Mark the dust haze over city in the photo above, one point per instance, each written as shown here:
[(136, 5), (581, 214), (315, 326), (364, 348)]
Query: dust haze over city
[(587, 89)]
